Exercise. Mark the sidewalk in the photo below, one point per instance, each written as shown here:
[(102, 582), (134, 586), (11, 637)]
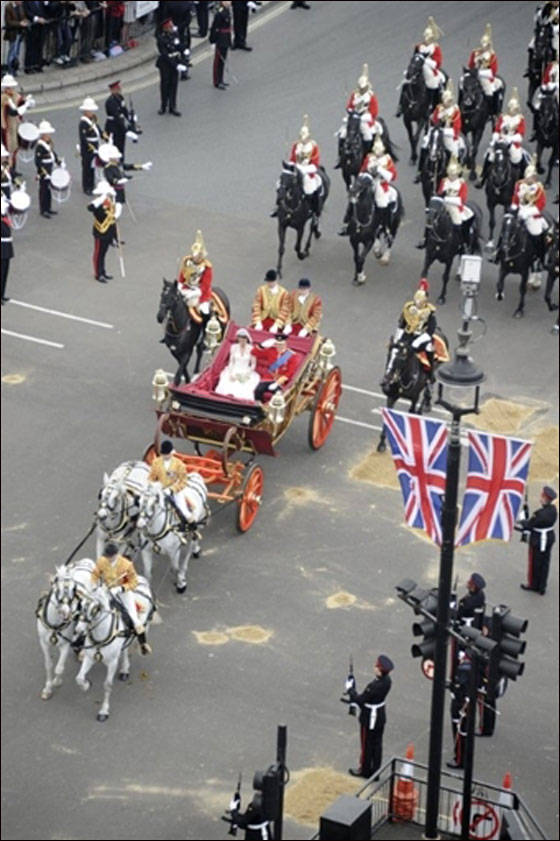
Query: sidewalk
[(135, 68)]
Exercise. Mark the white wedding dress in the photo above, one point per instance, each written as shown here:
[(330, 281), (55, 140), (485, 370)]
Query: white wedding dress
[(239, 378)]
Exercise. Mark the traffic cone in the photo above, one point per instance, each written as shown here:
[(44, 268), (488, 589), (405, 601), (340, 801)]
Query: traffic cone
[(505, 802), (405, 796)]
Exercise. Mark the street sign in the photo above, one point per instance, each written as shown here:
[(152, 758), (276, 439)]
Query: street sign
[(428, 668)]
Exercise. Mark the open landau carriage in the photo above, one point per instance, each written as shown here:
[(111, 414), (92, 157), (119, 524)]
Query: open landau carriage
[(228, 433)]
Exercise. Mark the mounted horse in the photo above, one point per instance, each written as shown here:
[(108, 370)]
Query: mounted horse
[(184, 326), (434, 159), (551, 264), (119, 503), (444, 239), (57, 613), (499, 185), (370, 226), (407, 376), (354, 148), (414, 103), (546, 130), (108, 636), (162, 528), (540, 55), (476, 111), (296, 209), (515, 255)]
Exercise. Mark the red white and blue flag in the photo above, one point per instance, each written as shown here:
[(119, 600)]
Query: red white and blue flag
[(496, 478), (419, 448)]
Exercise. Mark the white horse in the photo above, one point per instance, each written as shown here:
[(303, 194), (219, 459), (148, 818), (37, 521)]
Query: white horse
[(119, 501), (57, 614), (161, 526), (108, 636)]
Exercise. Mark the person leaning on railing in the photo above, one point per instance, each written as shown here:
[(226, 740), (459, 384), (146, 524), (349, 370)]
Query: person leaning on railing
[(16, 24)]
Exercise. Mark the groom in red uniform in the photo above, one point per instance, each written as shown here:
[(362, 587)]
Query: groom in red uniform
[(275, 364)]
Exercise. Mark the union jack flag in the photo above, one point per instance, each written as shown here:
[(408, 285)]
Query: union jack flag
[(419, 448), (498, 468)]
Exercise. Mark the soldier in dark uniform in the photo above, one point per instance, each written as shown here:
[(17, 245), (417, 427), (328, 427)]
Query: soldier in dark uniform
[(119, 118), (106, 212), (7, 181), (240, 24), (470, 610), (45, 159), (541, 540), (7, 251), (459, 705), (252, 820), (220, 35), (372, 716), (90, 138), (169, 63), (114, 171)]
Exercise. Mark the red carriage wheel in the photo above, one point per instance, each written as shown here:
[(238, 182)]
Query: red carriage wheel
[(251, 498), (324, 409)]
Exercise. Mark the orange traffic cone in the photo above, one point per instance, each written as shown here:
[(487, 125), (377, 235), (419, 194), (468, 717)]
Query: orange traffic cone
[(505, 801), (405, 796)]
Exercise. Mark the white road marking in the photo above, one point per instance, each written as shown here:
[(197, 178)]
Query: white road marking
[(63, 314), (381, 397), (358, 423), (32, 339)]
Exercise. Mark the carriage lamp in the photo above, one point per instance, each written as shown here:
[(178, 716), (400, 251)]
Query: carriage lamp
[(277, 408), (470, 271), (212, 334), (160, 386), (326, 355)]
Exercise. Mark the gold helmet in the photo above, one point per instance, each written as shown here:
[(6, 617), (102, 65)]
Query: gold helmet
[(304, 133), (363, 82), (454, 167), (531, 168), (486, 40), (432, 31), (198, 251), (448, 96), (378, 147), (514, 105), (421, 295)]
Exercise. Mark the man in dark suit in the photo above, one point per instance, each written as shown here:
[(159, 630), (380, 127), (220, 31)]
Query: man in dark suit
[(240, 24), (36, 13)]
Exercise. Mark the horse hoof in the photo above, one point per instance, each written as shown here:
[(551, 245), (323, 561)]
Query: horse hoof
[(490, 245), (384, 261), (46, 694), (57, 681), (377, 253), (301, 256), (196, 554), (361, 278), (441, 299), (181, 588), (499, 296), (518, 314), (124, 676), (381, 447), (102, 716), (86, 685)]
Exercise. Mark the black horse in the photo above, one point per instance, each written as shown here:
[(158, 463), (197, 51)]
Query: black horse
[(546, 130), (444, 239), (434, 159), (353, 148), (540, 55), (370, 226), (476, 110), (295, 209), (516, 255), (405, 378), (184, 328), (499, 185), (414, 103), (551, 265)]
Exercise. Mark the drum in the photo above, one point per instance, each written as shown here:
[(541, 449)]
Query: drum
[(28, 135), (20, 202), (60, 184)]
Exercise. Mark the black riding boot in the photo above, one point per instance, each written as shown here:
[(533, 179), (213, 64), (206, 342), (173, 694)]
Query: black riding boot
[(539, 250), (368, 146), (422, 243), (430, 355), (527, 73), (385, 219), (466, 234), (421, 162), (484, 174), (343, 232), (338, 163)]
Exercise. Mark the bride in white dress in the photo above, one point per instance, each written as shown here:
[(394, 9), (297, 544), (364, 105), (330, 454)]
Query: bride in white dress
[(239, 378)]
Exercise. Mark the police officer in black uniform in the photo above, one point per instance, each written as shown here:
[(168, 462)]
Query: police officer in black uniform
[(372, 716), (470, 610), (220, 35), (119, 118), (252, 820), (169, 63), (541, 540)]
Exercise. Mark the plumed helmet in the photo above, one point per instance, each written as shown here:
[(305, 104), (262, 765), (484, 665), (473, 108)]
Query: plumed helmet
[(531, 168), (89, 104), (363, 81), (378, 147), (420, 297), (454, 168), (448, 95), (486, 40), (514, 105), (8, 81), (166, 447), (304, 133), (197, 249), (46, 128), (432, 31)]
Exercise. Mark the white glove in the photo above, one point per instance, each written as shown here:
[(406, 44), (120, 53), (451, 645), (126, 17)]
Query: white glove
[(234, 804), (186, 52), (181, 68), (78, 150), (167, 492), (303, 333), (258, 325), (516, 138), (287, 329), (147, 166), (63, 163), (98, 201), (21, 109), (384, 173), (191, 296), (273, 386), (274, 328), (118, 210), (252, 6), (116, 589), (269, 343), (132, 136), (350, 683), (121, 181)]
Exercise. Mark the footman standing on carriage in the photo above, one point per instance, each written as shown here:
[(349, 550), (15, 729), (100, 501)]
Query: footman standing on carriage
[(119, 575), (306, 310), (541, 539), (45, 159), (364, 101), (418, 323), (484, 60), (372, 716), (271, 305), (7, 246), (509, 129), (172, 474), (14, 106), (90, 135), (447, 116), (106, 211)]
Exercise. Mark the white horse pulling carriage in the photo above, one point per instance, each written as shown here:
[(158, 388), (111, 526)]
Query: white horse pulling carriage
[(119, 504)]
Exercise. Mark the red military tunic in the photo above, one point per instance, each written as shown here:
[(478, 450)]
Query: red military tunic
[(550, 75), (268, 356), (512, 126), (476, 56), (204, 272), (386, 168), (448, 117), (355, 103), (432, 51), (538, 195), (314, 157)]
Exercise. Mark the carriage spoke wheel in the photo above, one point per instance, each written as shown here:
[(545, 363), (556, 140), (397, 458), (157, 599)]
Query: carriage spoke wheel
[(232, 444), (324, 410), (251, 498)]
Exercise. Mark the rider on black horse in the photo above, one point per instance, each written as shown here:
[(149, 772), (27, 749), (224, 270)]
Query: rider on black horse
[(446, 115), (529, 202), (305, 155), (195, 279), (430, 50), (509, 129), (417, 324), (454, 190), (548, 86), (364, 102), (546, 15), (380, 165), (485, 61)]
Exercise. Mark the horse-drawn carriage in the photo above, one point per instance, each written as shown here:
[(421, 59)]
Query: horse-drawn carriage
[(228, 433)]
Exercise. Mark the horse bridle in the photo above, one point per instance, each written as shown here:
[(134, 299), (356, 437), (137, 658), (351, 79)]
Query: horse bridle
[(354, 205), (288, 209), (516, 238), (125, 517)]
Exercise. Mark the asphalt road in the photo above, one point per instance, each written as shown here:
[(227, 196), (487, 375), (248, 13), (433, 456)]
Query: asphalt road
[(164, 764)]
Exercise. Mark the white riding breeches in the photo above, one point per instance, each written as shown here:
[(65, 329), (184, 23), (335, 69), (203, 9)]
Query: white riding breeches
[(450, 143), (534, 222), (369, 128), (384, 197), (129, 602), (311, 178), (453, 207), (422, 342), (433, 78)]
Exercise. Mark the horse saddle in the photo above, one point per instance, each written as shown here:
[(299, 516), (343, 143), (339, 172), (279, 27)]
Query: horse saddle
[(441, 354)]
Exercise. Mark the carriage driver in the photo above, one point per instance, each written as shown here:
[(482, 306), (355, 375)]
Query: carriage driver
[(364, 101), (195, 278), (173, 475), (509, 129), (119, 575), (418, 323), (485, 61)]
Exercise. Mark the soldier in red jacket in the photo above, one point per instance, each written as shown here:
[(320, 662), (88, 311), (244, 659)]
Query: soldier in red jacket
[(276, 365)]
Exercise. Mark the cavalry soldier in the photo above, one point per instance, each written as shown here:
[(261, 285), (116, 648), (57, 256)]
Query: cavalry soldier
[(541, 540), (271, 305), (90, 138), (171, 472), (105, 211), (372, 716), (7, 246), (380, 165), (509, 129), (529, 199), (306, 310), (433, 58), (364, 101), (545, 15), (45, 159), (418, 323), (119, 575), (195, 278), (549, 85), (455, 191), (485, 61), (119, 118), (170, 63), (14, 106), (446, 115), (305, 154), (276, 365)]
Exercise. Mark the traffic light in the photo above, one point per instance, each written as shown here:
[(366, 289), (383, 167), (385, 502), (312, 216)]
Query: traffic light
[(506, 630), (268, 783), (426, 600)]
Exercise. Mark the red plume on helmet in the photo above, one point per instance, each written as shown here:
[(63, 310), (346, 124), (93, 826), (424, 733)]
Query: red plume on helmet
[(424, 285)]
